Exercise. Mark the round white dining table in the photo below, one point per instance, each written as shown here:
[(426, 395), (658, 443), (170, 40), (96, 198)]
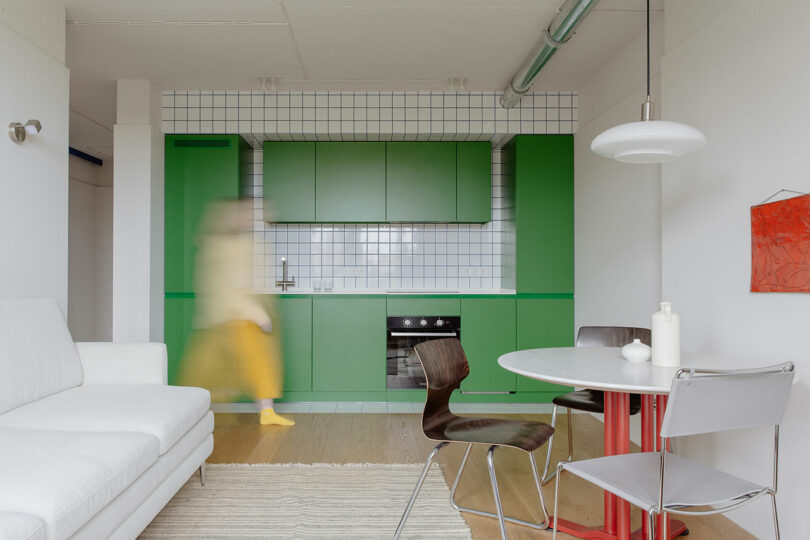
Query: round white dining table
[(604, 368)]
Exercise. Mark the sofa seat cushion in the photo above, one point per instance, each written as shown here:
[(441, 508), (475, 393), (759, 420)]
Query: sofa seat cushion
[(166, 412), (19, 526), (65, 478)]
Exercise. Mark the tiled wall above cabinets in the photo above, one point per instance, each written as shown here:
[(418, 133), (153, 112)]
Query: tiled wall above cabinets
[(378, 256)]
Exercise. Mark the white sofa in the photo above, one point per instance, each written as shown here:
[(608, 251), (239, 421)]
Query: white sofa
[(93, 443)]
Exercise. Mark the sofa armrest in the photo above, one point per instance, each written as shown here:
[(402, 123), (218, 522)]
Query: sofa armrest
[(123, 363)]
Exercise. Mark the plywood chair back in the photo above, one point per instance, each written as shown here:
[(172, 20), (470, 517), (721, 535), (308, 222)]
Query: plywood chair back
[(445, 366)]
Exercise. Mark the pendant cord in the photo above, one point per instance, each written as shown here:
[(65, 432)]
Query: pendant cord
[(648, 50)]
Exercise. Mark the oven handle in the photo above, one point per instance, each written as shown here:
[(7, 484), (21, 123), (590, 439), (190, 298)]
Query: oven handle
[(425, 334)]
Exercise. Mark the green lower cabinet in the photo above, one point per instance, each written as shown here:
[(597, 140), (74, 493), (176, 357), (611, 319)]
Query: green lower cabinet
[(349, 342), (404, 306), (544, 322), (488, 331), (178, 316), (294, 320)]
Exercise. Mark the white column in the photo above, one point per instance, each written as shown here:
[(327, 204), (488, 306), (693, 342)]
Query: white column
[(138, 214)]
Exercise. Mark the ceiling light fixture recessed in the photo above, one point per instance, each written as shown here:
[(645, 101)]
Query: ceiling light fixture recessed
[(648, 141)]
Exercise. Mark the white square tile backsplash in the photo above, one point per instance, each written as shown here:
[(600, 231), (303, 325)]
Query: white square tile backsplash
[(377, 256)]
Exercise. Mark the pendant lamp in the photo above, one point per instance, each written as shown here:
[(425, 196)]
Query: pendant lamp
[(648, 141)]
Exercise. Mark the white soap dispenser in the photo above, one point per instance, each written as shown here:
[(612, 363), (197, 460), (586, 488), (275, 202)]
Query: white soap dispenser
[(666, 337)]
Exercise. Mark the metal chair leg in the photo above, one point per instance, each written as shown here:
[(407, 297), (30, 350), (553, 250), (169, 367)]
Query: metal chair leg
[(651, 525), (539, 526), (495, 492), (546, 478), (418, 487), (775, 516), (202, 474), (570, 437), (557, 499)]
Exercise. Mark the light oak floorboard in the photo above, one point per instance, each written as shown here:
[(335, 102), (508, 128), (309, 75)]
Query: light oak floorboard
[(398, 438)]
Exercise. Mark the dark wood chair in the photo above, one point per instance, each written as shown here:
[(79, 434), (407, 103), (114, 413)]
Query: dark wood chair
[(445, 366), (593, 400)]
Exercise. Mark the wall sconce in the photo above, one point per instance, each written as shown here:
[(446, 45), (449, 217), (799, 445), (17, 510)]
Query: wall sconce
[(17, 131)]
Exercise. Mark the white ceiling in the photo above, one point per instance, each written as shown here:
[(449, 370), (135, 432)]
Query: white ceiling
[(320, 45)]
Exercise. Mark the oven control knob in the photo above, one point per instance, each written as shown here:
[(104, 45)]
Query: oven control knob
[(439, 322), (423, 322), (406, 322)]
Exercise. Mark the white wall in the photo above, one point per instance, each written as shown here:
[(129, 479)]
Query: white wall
[(34, 202), (735, 70), (616, 206), (104, 260)]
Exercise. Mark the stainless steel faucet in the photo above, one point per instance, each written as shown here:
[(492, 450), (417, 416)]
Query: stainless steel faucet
[(285, 283)]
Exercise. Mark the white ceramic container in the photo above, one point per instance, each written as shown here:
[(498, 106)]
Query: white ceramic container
[(666, 337), (636, 352)]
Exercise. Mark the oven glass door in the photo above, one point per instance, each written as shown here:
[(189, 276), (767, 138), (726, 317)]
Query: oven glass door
[(403, 369)]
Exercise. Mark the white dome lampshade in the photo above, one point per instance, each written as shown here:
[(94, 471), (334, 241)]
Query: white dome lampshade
[(648, 141)]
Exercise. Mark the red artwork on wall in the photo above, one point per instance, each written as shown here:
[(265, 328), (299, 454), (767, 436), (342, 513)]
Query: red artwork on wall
[(780, 246)]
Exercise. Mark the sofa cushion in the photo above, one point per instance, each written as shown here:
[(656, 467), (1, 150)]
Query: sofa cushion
[(166, 412), (65, 478), (37, 355), (18, 526)]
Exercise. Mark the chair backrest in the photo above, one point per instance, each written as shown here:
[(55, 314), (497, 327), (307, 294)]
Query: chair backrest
[(445, 366), (611, 336), (707, 401)]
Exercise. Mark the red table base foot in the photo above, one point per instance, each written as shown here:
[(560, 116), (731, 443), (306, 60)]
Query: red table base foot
[(582, 531)]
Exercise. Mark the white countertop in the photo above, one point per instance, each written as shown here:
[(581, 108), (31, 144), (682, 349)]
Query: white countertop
[(604, 368), (403, 292)]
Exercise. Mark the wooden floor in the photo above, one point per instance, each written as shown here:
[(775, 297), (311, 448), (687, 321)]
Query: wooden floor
[(398, 438)]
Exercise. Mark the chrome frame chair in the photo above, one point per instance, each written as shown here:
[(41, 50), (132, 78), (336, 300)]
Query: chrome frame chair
[(739, 399), (592, 336), (445, 366)]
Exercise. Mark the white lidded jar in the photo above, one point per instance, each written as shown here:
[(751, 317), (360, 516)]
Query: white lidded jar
[(666, 337)]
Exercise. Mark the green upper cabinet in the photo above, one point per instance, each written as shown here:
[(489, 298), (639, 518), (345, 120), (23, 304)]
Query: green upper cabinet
[(474, 182), (289, 181), (541, 323), (488, 331), (543, 168), (349, 342), (199, 169), (421, 182), (350, 181)]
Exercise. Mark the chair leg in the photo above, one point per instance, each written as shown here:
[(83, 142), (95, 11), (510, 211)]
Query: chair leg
[(539, 490), (539, 526), (546, 477), (775, 516), (557, 499), (418, 487), (651, 525), (570, 437), (202, 474), (495, 492)]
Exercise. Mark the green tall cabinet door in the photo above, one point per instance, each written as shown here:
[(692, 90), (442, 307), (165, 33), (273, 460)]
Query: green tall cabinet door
[(541, 323), (349, 341), (488, 331), (350, 182), (199, 169), (178, 314), (421, 181), (293, 318), (544, 212), (474, 182), (289, 181)]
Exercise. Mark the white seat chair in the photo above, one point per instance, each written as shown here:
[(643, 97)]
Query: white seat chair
[(700, 401)]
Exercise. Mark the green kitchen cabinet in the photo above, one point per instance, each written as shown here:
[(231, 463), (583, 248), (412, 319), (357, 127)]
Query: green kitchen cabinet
[(199, 169), (541, 323), (542, 169), (474, 182), (293, 318), (289, 181), (350, 182), (349, 344), (488, 330), (178, 316), (404, 306), (420, 182)]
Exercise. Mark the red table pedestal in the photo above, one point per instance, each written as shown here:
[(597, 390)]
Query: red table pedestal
[(617, 441)]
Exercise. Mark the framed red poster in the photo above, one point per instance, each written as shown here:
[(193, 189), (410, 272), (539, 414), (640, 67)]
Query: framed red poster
[(780, 246)]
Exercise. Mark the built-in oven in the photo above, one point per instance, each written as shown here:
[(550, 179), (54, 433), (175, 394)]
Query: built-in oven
[(403, 370)]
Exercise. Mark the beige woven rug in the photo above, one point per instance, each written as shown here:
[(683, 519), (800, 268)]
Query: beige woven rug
[(309, 501)]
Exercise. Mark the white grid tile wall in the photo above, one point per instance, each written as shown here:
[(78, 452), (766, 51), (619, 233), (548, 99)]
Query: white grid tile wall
[(377, 256)]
